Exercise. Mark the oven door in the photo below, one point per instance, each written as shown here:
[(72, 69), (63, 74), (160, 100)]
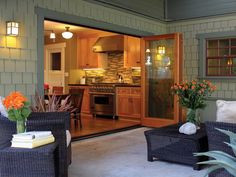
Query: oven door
[(102, 104)]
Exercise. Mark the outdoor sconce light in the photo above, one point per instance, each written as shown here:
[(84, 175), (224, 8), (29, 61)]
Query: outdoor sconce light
[(161, 50), (52, 35), (67, 34), (12, 28)]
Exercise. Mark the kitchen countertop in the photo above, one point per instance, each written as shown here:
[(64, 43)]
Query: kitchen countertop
[(79, 84), (117, 85)]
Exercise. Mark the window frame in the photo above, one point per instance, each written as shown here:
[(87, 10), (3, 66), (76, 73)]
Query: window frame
[(202, 53)]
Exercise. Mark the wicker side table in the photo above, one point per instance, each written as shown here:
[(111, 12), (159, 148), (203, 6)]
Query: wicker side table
[(169, 145), (37, 162)]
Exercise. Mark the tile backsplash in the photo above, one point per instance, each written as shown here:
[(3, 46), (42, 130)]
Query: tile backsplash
[(115, 68)]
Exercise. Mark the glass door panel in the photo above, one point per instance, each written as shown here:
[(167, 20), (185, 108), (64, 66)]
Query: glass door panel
[(159, 79), (162, 68)]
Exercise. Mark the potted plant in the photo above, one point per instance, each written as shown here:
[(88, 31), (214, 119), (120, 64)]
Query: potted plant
[(222, 159), (18, 109), (192, 95), (52, 104)]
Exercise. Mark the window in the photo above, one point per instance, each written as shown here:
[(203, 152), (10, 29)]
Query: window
[(221, 57), (56, 61), (217, 55)]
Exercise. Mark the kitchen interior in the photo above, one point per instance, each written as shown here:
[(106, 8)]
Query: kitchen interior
[(105, 64)]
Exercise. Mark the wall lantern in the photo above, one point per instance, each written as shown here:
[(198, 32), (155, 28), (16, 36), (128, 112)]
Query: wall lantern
[(12, 28), (52, 35), (161, 50), (67, 34)]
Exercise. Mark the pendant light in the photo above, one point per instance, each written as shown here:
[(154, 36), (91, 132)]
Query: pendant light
[(67, 34)]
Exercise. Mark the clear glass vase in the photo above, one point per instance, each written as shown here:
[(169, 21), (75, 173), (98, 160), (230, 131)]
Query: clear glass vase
[(192, 116), (20, 126)]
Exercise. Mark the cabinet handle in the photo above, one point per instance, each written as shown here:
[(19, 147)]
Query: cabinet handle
[(138, 62)]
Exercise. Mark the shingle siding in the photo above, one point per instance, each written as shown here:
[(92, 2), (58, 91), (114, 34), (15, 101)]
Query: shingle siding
[(18, 64), (190, 28)]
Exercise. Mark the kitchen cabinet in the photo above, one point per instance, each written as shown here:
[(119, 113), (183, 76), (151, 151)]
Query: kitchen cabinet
[(132, 57), (86, 57), (86, 99), (128, 102)]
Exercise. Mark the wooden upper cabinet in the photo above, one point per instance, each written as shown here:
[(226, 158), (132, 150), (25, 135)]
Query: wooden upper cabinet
[(83, 53), (132, 57), (86, 57)]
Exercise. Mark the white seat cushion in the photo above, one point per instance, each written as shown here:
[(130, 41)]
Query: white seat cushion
[(3, 110), (68, 138), (226, 111)]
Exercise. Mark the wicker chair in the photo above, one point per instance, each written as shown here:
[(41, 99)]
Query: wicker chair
[(57, 122), (216, 141)]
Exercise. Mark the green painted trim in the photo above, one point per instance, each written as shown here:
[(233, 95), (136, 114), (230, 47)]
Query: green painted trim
[(40, 55), (83, 21), (218, 98), (223, 34), (43, 14), (130, 11), (202, 55)]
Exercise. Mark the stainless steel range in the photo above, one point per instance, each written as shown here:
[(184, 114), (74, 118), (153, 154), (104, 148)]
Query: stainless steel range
[(102, 99)]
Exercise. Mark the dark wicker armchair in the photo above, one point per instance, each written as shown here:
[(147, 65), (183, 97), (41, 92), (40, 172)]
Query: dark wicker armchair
[(57, 122), (216, 141)]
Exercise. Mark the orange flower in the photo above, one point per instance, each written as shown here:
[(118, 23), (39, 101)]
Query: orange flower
[(193, 87), (15, 100), (194, 82), (213, 88)]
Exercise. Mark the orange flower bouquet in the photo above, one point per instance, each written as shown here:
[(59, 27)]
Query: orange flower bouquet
[(18, 109), (192, 95)]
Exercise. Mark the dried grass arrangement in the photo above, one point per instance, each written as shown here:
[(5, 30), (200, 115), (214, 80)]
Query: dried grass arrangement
[(53, 104)]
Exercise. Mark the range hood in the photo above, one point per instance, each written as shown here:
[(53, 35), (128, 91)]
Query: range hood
[(109, 44)]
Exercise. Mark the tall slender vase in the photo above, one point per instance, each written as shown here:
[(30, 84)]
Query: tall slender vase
[(20, 126), (192, 116)]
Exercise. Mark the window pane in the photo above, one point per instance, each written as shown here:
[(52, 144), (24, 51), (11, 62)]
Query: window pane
[(56, 61), (233, 42), (233, 51), (225, 71), (224, 43), (233, 61), (212, 43), (212, 52), (224, 62), (219, 58), (213, 62), (233, 71), (223, 52), (213, 71)]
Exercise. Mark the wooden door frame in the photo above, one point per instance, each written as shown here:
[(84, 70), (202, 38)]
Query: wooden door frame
[(158, 122)]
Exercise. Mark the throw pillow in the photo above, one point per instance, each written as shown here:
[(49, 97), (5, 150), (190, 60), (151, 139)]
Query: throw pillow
[(7, 129), (226, 111), (3, 110)]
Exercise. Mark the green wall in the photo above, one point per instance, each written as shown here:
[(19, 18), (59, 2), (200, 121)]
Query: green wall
[(21, 64)]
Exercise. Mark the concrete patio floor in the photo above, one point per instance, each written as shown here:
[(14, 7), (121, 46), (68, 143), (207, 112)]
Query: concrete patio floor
[(122, 155)]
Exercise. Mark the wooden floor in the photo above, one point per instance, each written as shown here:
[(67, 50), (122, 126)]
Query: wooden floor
[(97, 125)]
